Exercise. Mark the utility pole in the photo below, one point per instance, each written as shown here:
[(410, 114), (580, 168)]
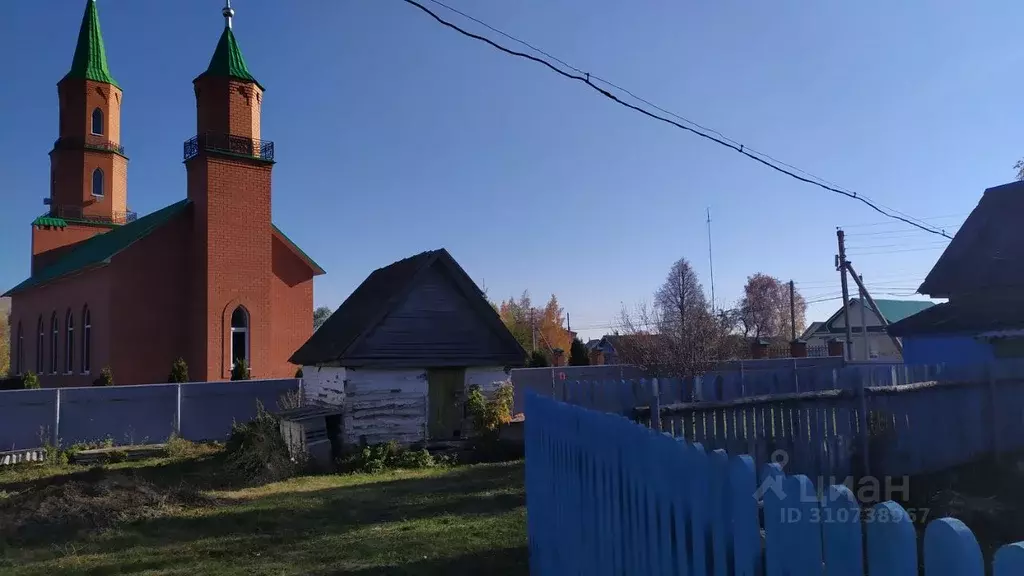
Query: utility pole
[(863, 317), (841, 266), (533, 330), (792, 311), (711, 263), (874, 308)]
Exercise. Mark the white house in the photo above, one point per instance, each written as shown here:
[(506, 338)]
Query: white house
[(401, 352), (879, 343)]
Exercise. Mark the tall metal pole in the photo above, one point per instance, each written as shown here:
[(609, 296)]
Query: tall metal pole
[(792, 311), (841, 266), (711, 263)]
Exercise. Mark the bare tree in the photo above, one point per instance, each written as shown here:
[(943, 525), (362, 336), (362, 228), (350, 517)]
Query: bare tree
[(677, 336), (1019, 167)]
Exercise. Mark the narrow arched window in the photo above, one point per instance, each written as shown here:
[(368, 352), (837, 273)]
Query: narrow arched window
[(69, 342), (86, 340), (40, 342), (54, 339), (239, 336), (97, 122), (19, 353), (97, 182)]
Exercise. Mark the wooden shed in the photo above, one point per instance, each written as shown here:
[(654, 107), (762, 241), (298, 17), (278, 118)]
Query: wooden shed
[(401, 352)]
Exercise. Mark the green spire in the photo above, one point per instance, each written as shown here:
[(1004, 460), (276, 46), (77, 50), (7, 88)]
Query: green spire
[(90, 62), (227, 60)]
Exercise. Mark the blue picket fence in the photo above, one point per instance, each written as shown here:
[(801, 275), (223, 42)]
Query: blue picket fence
[(622, 395), (608, 496)]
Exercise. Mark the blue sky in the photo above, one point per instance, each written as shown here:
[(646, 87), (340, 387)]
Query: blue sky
[(395, 135)]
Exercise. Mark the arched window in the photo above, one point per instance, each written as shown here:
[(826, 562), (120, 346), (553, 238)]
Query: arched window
[(69, 343), (53, 343), (86, 340), (40, 341), (97, 122), (97, 182), (239, 335), (19, 353)]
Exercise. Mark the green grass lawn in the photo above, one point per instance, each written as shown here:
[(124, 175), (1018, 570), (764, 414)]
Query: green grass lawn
[(463, 520)]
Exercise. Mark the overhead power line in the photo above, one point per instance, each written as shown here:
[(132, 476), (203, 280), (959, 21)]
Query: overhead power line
[(585, 77)]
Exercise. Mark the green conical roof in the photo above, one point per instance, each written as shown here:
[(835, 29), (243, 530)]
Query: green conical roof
[(90, 62), (227, 60)]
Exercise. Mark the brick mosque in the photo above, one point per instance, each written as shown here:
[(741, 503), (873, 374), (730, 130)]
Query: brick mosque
[(208, 278)]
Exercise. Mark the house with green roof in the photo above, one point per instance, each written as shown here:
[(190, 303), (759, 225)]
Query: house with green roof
[(209, 278), (870, 339)]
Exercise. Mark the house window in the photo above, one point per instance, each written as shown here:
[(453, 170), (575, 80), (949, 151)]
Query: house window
[(19, 353), (239, 336), (97, 122), (40, 341), (69, 343), (53, 343), (97, 182), (86, 340)]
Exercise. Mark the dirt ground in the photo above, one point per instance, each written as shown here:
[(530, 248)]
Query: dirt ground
[(91, 501)]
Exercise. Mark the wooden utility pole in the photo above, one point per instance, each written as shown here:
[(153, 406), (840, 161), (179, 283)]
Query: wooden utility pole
[(792, 311), (841, 266), (863, 318), (874, 308)]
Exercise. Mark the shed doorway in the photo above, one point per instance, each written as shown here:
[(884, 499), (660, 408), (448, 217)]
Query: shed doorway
[(444, 403)]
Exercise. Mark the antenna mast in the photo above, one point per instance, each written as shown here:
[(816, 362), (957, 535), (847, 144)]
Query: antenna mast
[(711, 262)]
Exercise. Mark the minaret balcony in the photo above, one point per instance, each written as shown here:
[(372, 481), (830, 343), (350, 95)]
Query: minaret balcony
[(229, 145), (78, 214), (80, 143)]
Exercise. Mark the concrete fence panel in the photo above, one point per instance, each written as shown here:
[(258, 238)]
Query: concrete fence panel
[(26, 418), (208, 409), (125, 414)]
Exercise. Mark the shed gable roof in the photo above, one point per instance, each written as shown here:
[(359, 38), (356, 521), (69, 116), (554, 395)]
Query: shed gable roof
[(379, 294), (987, 251)]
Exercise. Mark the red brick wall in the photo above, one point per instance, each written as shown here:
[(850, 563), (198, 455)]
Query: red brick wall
[(90, 288), (292, 300), (233, 230), (150, 298), (48, 244)]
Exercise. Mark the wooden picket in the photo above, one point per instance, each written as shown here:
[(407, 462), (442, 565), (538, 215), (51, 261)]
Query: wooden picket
[(607, 496)]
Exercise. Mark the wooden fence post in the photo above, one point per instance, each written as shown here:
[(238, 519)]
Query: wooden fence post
[(993, 403), (865, 427), (655, 406)]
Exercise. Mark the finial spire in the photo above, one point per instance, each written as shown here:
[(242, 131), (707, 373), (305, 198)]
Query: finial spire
[(90, 60), (228, 13)]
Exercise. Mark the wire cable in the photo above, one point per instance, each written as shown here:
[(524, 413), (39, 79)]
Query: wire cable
[(705, 133)]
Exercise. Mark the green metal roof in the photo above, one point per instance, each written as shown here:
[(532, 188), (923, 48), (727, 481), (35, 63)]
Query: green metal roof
[(99, 249), (50, 221), (90, 61), (227, 60), (896, 310)]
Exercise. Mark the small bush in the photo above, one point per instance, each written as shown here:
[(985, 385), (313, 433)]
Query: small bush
[(240, 370), (538, 360), (178, 447), (387, 456), (487, 415), (29, 381), (256, 451), (106, 377), (298, 373), (179, 372)]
